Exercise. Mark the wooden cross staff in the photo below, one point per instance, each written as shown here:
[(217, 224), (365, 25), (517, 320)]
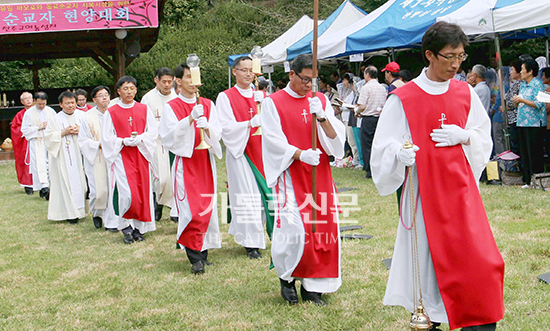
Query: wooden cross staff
[(314, 89)]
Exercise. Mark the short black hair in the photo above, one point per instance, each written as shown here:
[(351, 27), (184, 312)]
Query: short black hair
[(406, 75), (301, 62), (41, 95), (371, 71), (164, 72), (546, 72), (516, 64), (240, 59), (531, 65), (126, 79), (99, 88), (66, 94), (440, 35), (348, 77), (394, 74), (81, 92), (263, 84), (180, 69), (335, 73)]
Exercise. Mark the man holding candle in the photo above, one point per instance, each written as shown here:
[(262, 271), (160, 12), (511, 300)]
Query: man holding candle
[(68, 183), (20, 145), (298, 251), (193, 170), (95, 165), (162, 182), (34, 123), (128, 138), (247, 187)]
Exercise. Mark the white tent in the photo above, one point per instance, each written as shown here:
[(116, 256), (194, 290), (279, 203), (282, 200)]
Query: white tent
[(275, 52), (526, 14)]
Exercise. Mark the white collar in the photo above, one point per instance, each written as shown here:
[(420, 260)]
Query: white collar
[(123, 105), (188, 100), (429, 86), (292, 93)]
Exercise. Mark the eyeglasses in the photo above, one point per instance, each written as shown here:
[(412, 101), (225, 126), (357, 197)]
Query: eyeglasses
[(304, 80), (101, 96), (244, 70), (453, 58)]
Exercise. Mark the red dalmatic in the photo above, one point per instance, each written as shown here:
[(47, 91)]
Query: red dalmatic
[(22, 159), (244, 109), (320, 258), (198, 180), (467, 262), (136, 166)]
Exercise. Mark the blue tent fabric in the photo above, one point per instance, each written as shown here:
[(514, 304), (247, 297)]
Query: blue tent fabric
[(303, 46), (505, 3), (232, 58), (401, 25)]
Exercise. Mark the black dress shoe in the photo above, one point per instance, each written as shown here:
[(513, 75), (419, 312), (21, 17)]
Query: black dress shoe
[(174, 219), (206, 262), (128, 238), (111, 229), (253, 253), (288, 291), (137, 235), (158, 212), (98, 222), (29, 190), (45, 193), (73, 221), (312, 296), (197, 267)]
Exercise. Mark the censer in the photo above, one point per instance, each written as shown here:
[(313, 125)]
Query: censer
[(193, 63), (419, 319)]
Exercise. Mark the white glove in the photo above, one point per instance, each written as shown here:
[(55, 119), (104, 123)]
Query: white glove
[(316, 107), (197, 112), (310, 156), (258, 96), (407, 156), (449, 135), (255, 121), (202, 123), (132, 141)]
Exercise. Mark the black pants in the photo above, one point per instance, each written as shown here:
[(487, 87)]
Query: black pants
[(368, 127), (531, 151), (195, 256), (485, 327)]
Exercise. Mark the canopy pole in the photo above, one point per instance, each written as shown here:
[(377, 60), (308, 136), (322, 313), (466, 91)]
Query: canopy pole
[(314, 89), (229, 76), (547, 57), (502, 92)]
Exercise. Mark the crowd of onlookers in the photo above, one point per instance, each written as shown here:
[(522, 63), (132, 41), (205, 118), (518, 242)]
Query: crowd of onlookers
[(520, 127)]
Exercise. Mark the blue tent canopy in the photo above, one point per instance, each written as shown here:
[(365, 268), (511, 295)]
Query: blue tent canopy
[(344, 12), (232, 58)]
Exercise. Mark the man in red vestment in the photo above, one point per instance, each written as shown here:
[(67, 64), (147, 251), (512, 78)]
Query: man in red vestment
[(298, 251), (128, 139), (193, 170), (245, 170), (455, 257), (22, 160), (81, 100)]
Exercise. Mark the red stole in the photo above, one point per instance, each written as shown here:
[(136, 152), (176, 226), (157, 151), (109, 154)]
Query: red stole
[(198, 180), (20, 150), (467, 262), (135, 164), (321, 252), (244, 109)]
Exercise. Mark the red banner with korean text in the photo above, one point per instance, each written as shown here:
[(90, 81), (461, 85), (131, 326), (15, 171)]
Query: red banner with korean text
[(77, 15)]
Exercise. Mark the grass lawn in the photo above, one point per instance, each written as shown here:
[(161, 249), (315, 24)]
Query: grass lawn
[(60, 276)]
